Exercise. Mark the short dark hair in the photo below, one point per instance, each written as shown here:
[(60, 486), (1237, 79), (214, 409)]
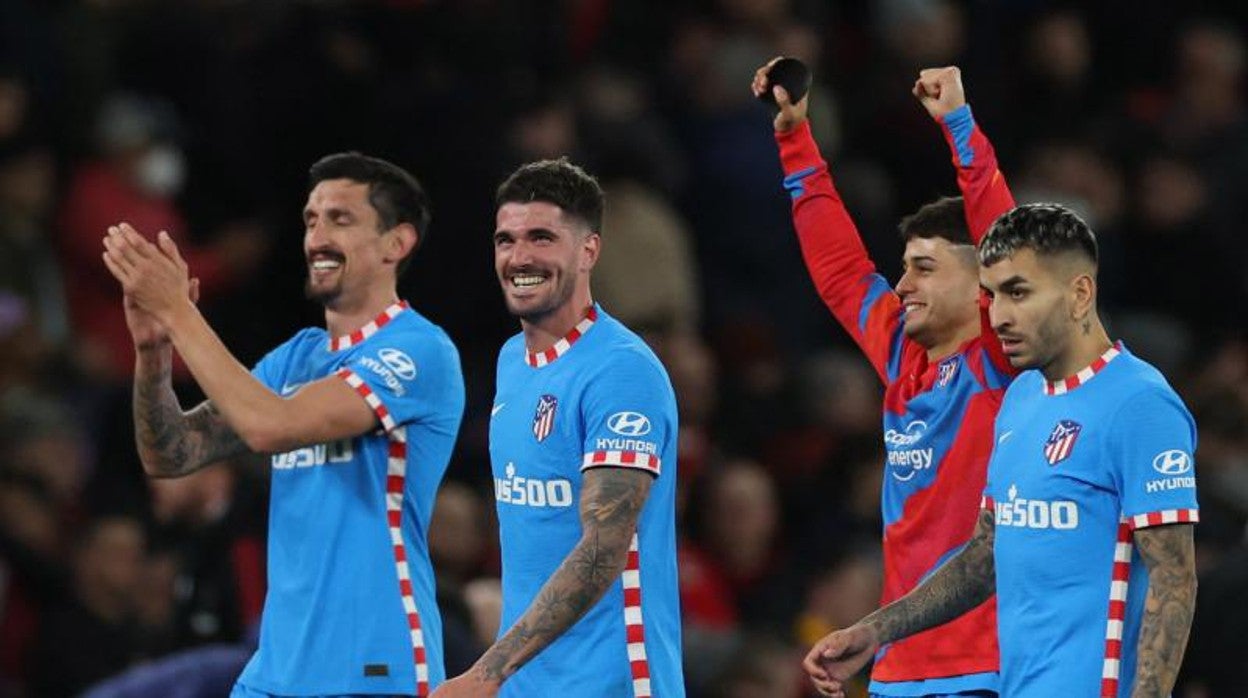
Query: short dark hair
[(943, 218), (393, 192), (1046, 229), (557, 182)]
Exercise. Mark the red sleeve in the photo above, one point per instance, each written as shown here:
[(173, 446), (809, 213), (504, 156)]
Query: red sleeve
[(987, 196), (983, 186), (846, 279)]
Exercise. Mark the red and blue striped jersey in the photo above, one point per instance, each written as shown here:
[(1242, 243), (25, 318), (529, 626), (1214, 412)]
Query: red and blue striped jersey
[(938, 415)]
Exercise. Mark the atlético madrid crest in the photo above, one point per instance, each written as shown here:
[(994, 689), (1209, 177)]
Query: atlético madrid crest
[(1062, 441), (544, 418), (945, 371)]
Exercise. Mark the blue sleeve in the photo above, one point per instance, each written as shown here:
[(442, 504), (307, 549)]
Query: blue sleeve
[(629, 415), (1153, 442), (410, 377)]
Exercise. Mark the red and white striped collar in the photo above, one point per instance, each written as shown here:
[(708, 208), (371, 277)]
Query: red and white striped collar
[(540, 359), (1071, 382), (350, 340)]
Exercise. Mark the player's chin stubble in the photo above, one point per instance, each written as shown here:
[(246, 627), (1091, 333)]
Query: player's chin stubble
[(324, 296)]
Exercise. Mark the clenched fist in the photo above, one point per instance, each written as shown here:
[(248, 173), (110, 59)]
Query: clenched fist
[(939, 90)]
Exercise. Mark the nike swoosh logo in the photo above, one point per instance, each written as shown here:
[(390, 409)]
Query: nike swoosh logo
[(1001, 439), (497, 408), (289, 388)]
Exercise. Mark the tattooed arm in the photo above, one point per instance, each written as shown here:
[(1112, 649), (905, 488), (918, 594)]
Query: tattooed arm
[(611, 500), (173, 443), (964, 582), (1170, 555)]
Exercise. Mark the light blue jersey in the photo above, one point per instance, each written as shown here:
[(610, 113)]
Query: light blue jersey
[(598, 398), (351, 603), (1078, 467)]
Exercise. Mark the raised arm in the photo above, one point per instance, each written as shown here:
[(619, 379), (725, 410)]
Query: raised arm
[(964, 582), (1170, 556), (156, 282), (610, 503), (844, 276), (983, 187)]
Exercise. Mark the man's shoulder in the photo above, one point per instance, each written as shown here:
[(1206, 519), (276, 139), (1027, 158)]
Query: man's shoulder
[(414, 333), (618, 343)]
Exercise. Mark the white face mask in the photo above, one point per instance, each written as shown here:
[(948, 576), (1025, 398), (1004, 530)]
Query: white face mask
[(162, 171)]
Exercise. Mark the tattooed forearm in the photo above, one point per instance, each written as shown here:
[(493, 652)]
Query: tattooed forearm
[(172, 443), (965, 581), (1170, 555), (611, 500)]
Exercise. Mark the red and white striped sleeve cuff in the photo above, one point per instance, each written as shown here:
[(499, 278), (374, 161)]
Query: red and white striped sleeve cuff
[(1161, 518), (374, 402), (621, 459)]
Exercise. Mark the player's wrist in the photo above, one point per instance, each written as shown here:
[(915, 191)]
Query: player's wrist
[(153, 348), (870, 630), (958, 114), (485, 678), (179, 316)]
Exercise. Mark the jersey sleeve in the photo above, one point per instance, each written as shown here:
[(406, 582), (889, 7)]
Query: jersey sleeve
[(406, 379), (986, 196), (1153, 442), (629, 416), (847, 281), (979, 178)]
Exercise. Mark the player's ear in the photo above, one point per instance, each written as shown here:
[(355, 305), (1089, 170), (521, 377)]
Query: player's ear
[(591, 247), (1083, 296), (400, 241)]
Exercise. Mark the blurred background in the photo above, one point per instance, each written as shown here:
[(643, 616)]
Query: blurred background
[(201, 117)]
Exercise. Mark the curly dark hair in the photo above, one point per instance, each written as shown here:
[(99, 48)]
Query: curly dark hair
[(1047, 229)]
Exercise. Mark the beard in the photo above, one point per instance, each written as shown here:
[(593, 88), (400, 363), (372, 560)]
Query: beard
[(325, 295), (1051, 339)]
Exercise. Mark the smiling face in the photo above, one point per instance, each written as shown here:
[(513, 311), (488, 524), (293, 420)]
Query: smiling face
[(1033, 308), (939, 291), (343, 243), (543, 258)]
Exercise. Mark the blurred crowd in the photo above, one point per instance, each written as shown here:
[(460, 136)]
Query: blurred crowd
[(201, 117)]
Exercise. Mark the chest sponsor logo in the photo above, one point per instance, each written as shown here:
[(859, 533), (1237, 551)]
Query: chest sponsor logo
[(312, 456), (1061, 442), (397, 361), (1020, 512), (391, 365), (531, 492), (629, 423), (544, 417), (946, 371), (906, 456), (1177, 464)]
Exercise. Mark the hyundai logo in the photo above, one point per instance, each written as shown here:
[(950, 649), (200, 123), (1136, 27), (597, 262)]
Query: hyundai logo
[(629, 423), (1172, 462), (400, 363)]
